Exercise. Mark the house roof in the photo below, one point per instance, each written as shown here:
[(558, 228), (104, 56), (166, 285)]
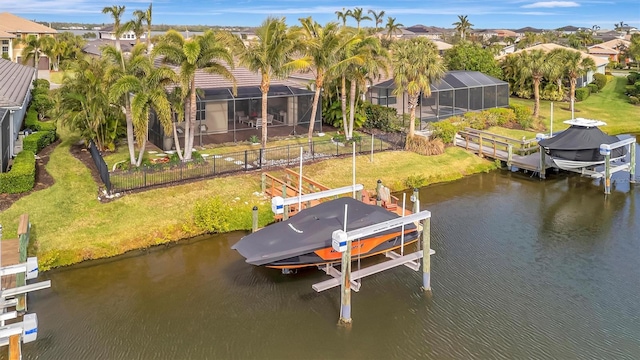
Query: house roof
[(421, 29), (550, 46), (94, 47), (15, 24), (15, 80), (456, 79), (601, 49), (568, 28), (614, 43), (6, 34), (528, 29)]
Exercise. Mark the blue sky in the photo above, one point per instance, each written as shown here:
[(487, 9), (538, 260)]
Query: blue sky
[(509, 14)]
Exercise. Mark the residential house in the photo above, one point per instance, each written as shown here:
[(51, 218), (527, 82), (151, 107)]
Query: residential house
[(568, 30), (397, 34), (94, 47), (15, 93), (431, 32), (610, 50), (521, 32), (13, 27), (107, 33), (222, 112), (601, 63)]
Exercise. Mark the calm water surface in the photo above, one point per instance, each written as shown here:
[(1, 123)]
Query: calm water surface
[(523, 269)]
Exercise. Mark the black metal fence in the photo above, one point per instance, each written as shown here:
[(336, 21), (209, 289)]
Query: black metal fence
[(100, 165), (253, 159)]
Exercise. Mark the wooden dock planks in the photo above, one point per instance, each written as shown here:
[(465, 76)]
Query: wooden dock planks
[(10, 256)]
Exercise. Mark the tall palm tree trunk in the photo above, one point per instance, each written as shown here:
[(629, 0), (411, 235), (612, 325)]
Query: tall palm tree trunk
[(352, 107), (572, 93), (129, 119), (413, 104), (141, 154), (314, 107), (264, 87), (536, 96), (176, 140), (343, 104), (188, 144)]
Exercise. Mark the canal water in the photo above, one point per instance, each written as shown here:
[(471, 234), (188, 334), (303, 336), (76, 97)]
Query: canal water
[(523, 269)]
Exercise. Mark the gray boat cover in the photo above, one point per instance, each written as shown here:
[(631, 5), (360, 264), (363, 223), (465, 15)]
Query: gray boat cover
[(309, 230), (580, 143)]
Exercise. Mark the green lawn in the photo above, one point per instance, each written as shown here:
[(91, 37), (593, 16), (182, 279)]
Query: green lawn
[(57, 76), (610, 105), (70, 224)]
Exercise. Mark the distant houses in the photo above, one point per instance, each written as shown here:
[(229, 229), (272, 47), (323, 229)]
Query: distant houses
[(13, 27)]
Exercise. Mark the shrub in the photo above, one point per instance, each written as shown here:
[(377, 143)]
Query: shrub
[(415, 181), (38, 141), (632, 78), (42, 103), (582, 94), (634, 100), (31, 122), (445, 131), (41, 83), (212, 215), (380, 117), (425, 146), (593, 88), (475, 120), (22, 176), (503, 116), (600, 80), (523, 115)]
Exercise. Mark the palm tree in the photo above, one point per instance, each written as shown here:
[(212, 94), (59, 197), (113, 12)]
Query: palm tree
[(271, 56), (136, 24), (362, 58), (146, 17), (116, 13), (529, 39), (462, 25), (535, 66), (358, 16), (576, 65), (378, 17), (322, 45), (416, 65), (556, 70), (83, 104), (34, 45), (634, 48), (122, 66), (392, 27), (619, 26), (208, 52), (342, 16), (147, 89)]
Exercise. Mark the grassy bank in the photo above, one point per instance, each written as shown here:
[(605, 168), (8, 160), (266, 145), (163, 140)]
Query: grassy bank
[(610, 105), (70, 224)]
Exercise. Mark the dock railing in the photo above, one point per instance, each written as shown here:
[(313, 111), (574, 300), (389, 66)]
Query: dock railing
[(491, 143)]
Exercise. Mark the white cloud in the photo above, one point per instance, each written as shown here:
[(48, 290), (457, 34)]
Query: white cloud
[(551, 4)]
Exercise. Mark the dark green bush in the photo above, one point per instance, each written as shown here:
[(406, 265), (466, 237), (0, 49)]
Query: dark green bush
[(42, 104), (593, 88), (38, 141), (380, 117), (22, 176), (634, 100), (212, 215), (31, 122), (523, 114), (39, 91), (41, 83), (600, 80), (582, 93), (632, 78), (444, 130)]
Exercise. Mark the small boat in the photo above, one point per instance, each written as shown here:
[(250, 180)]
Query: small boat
[(579, 145), (305, 239)]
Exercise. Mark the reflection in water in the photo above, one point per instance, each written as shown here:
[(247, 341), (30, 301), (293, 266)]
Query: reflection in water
[(523, 269)]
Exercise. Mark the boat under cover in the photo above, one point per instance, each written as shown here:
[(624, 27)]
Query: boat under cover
[(305, 239), (579, 145)]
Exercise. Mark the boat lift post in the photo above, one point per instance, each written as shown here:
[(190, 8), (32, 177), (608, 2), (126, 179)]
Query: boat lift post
[(605, 149), (341, 241)]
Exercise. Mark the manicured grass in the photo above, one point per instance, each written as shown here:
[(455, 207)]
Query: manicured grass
[(57, 76), (70, 224), (610, 105)]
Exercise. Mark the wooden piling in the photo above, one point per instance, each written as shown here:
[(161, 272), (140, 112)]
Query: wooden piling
[(285, 210), (480, 146), (254, 226), (264, 182), (426, 255), (509, 155), (345, 275), (632, 164), (416, 201), (607, 173), (542, 170)]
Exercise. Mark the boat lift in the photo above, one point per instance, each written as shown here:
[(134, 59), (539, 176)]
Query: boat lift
[(342, 242)]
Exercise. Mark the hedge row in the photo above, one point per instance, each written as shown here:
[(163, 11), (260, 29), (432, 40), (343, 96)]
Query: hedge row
[(31, 122), (22, 176), (38, 141), (582, 93)]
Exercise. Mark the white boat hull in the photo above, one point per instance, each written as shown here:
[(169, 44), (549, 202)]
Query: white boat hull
[(573, 164)]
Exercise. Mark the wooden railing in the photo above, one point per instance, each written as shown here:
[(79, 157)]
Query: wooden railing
[(497, 142)]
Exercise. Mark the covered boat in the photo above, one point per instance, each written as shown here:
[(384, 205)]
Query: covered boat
[(305, 239), (579, 145)]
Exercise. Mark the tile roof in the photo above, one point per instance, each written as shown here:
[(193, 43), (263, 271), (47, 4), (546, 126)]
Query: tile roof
[(14, 83), (4, 34), (94, 47), (13, 24), (550, 46)]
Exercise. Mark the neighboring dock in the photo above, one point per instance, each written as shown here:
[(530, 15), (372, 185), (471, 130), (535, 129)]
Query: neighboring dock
[(517, 154)]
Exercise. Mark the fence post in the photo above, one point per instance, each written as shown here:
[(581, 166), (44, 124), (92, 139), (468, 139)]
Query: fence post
[(260, 161), (288, 154), (144, 176), (372, 140), (214, 164), (480, 146), (245, 160)]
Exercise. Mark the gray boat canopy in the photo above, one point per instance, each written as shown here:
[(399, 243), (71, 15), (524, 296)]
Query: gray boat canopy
[(580, 143)]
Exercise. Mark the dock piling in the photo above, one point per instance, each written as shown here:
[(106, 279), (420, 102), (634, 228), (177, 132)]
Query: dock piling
[(254, 226), (415, 198), (542, 170), (607, 173), (426, 258), (632, 164)]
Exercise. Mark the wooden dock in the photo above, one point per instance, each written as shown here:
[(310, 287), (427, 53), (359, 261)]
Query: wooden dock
[(10, 256), (517, 154)]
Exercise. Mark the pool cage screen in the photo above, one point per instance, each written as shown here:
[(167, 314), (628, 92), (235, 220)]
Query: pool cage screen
[(457, 93)]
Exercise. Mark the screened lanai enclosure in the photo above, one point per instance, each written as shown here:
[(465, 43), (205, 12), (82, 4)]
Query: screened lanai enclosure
[(458, 92), (223, 116)]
